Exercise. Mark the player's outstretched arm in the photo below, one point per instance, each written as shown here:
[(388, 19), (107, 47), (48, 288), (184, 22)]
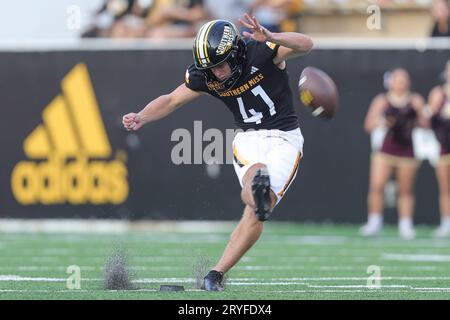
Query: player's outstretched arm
[(159, 108), (292, 44)]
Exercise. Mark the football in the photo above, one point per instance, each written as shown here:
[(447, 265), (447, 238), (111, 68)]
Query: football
[(318, 92)]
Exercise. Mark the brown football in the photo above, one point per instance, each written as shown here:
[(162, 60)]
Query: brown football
[(318, 92)]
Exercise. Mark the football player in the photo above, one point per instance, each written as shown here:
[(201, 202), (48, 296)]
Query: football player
[(251, 79)]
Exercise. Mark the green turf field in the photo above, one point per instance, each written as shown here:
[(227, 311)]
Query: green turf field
[(290, 261)]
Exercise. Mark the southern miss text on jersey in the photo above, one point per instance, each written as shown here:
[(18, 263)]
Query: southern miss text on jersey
[(261, 98)]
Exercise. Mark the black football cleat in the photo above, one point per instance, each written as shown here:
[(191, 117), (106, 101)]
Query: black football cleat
[(261, 194), (213, 281)]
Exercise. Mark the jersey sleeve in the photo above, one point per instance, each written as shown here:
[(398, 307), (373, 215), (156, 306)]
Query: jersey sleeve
[(265, 51), (195, 80)]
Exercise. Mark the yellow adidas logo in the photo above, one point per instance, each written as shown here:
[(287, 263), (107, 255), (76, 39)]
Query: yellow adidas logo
[(69, 151)]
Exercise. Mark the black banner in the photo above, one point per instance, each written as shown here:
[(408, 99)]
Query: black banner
[(66, 155)]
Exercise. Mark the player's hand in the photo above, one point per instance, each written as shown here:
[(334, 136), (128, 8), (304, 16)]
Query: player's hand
[(258, 32), (132, 121)]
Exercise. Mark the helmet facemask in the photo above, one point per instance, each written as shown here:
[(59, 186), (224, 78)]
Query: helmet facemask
[(235, 60)]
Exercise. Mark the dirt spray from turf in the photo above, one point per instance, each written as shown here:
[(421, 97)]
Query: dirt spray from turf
[(118, 275)]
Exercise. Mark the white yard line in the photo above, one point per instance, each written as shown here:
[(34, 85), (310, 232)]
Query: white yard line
[(334, 291), (85, 268), (34, 279), (12, 277), (41, 291), (360, 286), (166, 280), (268, 268), (367, 291), (234, 283), (74, 226), (360, 278), (432, 288), (274, 281), (84, 291), (55, 268), (242, 267), (355, 288), (384, 268), (416, 257)]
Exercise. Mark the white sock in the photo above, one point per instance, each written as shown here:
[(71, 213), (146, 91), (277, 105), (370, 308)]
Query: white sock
[(375, 219), (445, 222), (405, 223)]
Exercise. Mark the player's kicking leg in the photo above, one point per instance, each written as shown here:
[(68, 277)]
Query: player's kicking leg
[(259, 201), (266, 163)]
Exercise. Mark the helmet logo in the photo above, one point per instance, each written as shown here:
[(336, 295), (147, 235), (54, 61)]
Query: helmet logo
[(226, 42)]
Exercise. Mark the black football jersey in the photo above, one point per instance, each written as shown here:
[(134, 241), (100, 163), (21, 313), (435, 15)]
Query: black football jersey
[(261, 98)]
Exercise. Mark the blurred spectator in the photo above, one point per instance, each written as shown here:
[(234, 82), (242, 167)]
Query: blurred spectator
[(182, 18), (160, 18), (271, 13), (441, 15), (291, 23), (119, 19), (175, 18), (230, 10)]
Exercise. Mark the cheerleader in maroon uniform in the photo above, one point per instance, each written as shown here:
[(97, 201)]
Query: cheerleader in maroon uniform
[(439, 102), (399, 111)]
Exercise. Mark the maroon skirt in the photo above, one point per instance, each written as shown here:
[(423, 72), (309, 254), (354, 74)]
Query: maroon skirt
[(394, 148), (444, 151)]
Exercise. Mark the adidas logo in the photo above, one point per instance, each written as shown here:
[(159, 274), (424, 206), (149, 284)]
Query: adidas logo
[(254, 69), (69, 152)]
